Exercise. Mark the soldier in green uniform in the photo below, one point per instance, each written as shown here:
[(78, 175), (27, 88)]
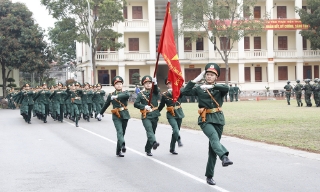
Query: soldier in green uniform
[(11, 104), (317, 91), (90, 96), (211, 119), (57, 97), (236, 91), (231, 93), (315, 97), (120, 113), (98, 99), (149, 113), (298, 92), (174, 115), (288, 89), (307, 92), (26, 101), (75, 96), (43, 99), (68, 104), (84, 100)]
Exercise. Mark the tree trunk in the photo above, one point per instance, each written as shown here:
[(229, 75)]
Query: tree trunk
[(94, 66), (8, 73), (4, 80), (227, 68)]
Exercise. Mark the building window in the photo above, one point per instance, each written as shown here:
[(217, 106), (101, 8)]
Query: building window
[(304, 43), (133, 44), (199, 44), (137, 12), (103, 77), (223, 43), (316, 71), (246, 43), (223, 74), (113, 73), (257, 43), (131, 72), (246, 12), (191, 73), (281, 12), (257, 12), (307, 72), (125, 12), (282, 43), (247, 74), (187, 44), (258, 74), (282, 73)]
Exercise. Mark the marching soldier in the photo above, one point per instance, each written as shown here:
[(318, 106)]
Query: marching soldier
[(288, 89), (315, 97), (120, 113), (57, 97), (231, 93), (174, 115), (298, 92), (43, 99), (11, 104), (98, 99), (75, 96), (84, 100), (26, 100), (211, 119), (307, 92), (317, 93), (149, 113), (236, 92)]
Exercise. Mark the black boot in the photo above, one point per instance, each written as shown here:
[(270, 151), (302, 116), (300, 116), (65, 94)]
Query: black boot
[(210, 181)]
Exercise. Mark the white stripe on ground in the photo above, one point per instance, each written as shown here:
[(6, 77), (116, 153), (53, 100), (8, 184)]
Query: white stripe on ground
[(155, 160)]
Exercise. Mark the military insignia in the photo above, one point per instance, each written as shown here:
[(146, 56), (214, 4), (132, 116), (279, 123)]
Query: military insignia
[(147, 78)]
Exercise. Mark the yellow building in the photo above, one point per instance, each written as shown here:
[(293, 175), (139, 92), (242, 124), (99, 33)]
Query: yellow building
[(271, 59)]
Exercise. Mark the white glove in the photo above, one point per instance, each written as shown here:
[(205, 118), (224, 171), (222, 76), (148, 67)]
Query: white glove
[(205, 87), (197, 79), (99, 116), (154, 80), (147, 107), (170, 90), (114, 97)]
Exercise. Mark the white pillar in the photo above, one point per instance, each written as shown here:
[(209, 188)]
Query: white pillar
[(152, 67), (241, 48), (298, 4), (122, 73), (271, 71), (270, 44), (299, 45), (121, 55), (152, 29), (241, 72), (181, 41), (211, 49), (299, 70), (269, 8)]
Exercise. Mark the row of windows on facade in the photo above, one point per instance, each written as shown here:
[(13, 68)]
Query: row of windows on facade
[(190, 73)]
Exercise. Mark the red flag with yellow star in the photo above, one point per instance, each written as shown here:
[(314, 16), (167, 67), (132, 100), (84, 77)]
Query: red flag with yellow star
[(167, 48)]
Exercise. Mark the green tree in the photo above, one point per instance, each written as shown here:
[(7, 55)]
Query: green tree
[(311, 17), (63, 37), (21, 45), (135, 78), (104, 14), (226, 20)]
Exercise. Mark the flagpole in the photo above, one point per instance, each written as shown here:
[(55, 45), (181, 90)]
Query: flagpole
[(154, 75)]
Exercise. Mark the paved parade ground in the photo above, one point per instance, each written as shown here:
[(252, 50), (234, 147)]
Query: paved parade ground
[(61, 157)]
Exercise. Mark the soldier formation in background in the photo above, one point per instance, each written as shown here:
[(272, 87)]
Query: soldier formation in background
[(309, 90)]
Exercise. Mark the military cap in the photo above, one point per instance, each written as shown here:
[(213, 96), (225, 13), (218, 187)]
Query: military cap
[(117, 79), (316, 80), (146, 79), (77, 84), (166, 81), (288, 82), (99, 85), (60, 84), (298, 81), (213, 67)]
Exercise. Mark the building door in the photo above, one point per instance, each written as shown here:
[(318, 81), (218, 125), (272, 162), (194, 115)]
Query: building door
[(223, 74), (257, 12), (307, 72), (113, 73), (137, 12), (247, 74), (258, 74), (316, 71), (282, 43), (257, 43), (133, 44), (103, 77), (191, 73), (199, 44), (246, 43)]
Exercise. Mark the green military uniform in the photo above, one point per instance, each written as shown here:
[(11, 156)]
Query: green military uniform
[(150, 121), (231, 93), (57, 99), (174, 116), (298, 92), (120, 113), (43, 99), (98, 99), (211, 119), (90, 102), (75, 97), (315, 96), (236, 92), (317, 93), (11, 104), (288, 89), (26, 102), (307, 93), (68, 104)]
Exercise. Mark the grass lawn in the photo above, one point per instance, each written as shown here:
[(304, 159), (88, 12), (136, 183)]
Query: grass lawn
[(269, 121)]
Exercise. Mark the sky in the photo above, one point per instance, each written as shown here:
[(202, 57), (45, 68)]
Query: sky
[(40, 14)]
